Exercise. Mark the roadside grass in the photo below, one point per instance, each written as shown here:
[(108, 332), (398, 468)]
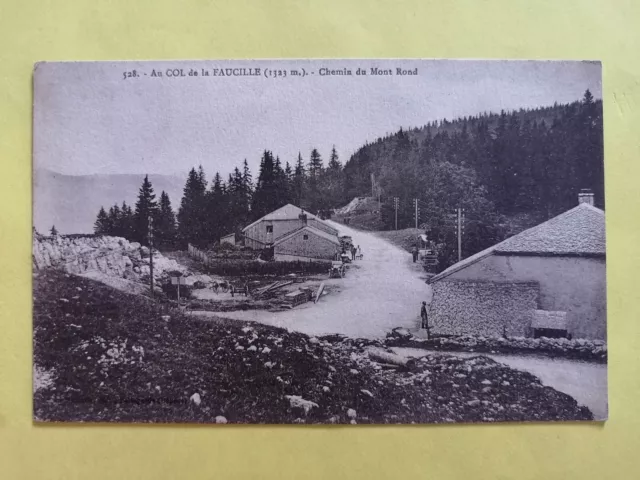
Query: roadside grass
[(405, 238)]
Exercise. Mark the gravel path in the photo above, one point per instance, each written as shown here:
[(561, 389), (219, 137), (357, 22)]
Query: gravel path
[(380, 292)]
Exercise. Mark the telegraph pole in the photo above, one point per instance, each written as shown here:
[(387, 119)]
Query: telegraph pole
[(150, 237), (417, 214), (460, 230), (396, 201)]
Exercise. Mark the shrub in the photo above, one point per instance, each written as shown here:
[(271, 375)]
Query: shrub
[(237, 268)]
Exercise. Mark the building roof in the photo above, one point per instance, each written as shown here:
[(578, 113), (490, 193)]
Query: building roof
[(288, 212), (309, 229), (576, 232)]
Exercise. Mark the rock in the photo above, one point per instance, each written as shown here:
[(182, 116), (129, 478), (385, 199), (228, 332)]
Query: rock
[(402, 333), (221, 419), (351, 413), (296, 401), (252, 348), (195, 398)]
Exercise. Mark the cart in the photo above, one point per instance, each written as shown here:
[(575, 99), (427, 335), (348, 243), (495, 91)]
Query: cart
[(337, 270), (346, 242)]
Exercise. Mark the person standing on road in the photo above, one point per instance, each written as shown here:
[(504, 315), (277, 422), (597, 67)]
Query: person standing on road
[(425, 319), (353, 252), (414, 252), (359, 252)]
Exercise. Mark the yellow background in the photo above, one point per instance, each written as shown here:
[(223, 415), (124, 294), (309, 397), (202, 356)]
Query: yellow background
[(604, 30)]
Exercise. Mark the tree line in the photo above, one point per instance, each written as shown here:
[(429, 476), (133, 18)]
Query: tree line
[(508, 171), (211, 209)]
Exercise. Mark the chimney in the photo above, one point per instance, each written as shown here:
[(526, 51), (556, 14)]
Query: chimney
[(585, 196), (303, 217)]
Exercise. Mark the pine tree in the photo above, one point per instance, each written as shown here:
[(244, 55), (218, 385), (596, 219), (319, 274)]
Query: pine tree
[(247, 183), (146, 207), (265, 197), (166, 222), (298, 181), (192, 215), (334, 162), (115, 221), (101, 225), (53, 231), (315, 164), (313, 198), (127, 221)]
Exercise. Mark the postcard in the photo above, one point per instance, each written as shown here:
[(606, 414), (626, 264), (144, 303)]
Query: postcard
[(319, 242)]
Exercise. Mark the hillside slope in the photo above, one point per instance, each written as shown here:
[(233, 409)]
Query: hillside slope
[(103, 355)]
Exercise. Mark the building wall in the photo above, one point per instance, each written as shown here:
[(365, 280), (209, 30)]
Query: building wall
[(257, 237), (482, 308), (230, 239), (314, 247), (575, 285)]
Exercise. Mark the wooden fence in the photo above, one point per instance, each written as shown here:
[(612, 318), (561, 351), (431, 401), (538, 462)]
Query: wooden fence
[(199, 255)]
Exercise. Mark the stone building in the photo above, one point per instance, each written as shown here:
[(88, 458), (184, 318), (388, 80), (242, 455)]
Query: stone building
[(549, 280), (266, 230), (307, 243)]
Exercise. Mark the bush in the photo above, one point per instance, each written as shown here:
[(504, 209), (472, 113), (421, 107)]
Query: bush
[(237, 268)]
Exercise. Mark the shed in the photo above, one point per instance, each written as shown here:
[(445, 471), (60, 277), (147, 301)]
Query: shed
[(559, 263), (231, 239)]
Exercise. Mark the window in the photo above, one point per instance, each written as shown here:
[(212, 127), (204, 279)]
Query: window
[(269, 228), (305, 237)]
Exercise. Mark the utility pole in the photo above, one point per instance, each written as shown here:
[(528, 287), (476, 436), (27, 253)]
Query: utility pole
[(396, 201), (150, 237), (417, 214), (460, 230)]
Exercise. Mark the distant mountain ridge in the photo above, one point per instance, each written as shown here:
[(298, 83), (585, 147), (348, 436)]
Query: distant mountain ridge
[(72, 202)]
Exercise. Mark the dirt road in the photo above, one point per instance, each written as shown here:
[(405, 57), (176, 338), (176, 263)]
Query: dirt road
[(380, 292)]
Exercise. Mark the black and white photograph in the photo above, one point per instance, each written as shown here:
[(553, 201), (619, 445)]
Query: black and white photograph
[(319, 242)]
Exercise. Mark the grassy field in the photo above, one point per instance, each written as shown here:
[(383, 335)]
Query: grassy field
[(110, 356), (405, 238)]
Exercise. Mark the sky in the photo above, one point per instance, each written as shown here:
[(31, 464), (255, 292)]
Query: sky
[(90, 119)]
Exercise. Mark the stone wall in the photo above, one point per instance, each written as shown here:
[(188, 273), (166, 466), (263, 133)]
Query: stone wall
[(575, 285), (463, 307)]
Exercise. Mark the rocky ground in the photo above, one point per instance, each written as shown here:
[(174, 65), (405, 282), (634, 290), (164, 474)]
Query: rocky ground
[(580, 349), (103, 355)]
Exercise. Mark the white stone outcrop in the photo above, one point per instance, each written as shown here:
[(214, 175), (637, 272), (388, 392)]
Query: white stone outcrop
[(112, 256)]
